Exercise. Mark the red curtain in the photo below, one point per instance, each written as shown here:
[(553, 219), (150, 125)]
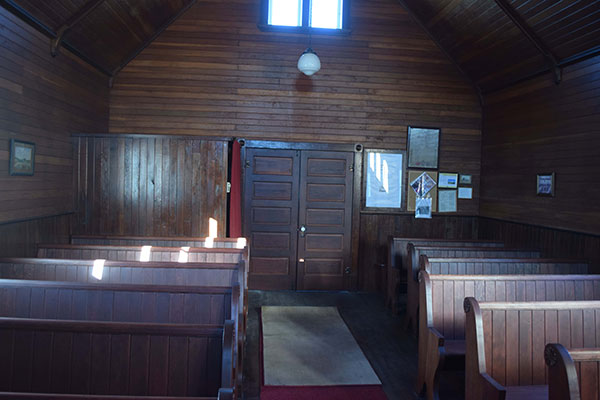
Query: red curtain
[(235, 196)]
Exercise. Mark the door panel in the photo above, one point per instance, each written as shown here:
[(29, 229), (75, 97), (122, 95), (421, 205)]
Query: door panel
[(271, 217), (325, 210)]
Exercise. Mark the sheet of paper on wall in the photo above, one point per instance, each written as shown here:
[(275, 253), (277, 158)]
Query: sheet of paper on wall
[(447, 201), (423, 207), (423, 184), (384, 180), (465, 193)]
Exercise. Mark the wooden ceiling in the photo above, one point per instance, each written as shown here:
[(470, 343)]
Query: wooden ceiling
[(495, 43), (105, 33)]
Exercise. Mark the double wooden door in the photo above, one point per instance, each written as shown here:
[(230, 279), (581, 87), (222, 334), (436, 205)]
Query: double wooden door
[(298, 216)]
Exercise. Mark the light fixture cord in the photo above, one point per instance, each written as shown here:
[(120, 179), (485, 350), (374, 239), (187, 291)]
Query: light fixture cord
[(310, 24)]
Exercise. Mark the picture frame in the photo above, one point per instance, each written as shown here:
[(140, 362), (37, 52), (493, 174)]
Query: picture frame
[(545, 184), (22, 158), (423, 147), (383, 180), (448, 180), (465, 179)]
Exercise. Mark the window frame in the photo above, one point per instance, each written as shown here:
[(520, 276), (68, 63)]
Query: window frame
[(265, 27)]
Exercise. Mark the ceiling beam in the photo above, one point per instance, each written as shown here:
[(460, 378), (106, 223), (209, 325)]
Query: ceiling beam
[(533, 38), (443, 50), (150, 40), (38, 25), (72, 21)]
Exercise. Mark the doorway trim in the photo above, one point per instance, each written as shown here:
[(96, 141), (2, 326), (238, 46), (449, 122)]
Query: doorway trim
[(357, 182)]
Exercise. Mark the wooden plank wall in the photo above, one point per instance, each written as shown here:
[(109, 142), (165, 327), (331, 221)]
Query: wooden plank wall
[(43, 100), (213, 72), (376, 228), (19, 239), (150, 185), (539, 127)]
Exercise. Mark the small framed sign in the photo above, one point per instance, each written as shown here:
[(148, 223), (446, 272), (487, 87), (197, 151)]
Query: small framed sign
[(545, 184), (22, 158), (465, 179), (448, 180)]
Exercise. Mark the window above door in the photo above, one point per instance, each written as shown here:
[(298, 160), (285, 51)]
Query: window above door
[(324, 16)]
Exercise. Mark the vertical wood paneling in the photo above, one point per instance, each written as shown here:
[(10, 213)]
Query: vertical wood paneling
[(43, 100), (551, 242), (151, 193), (19, 239)]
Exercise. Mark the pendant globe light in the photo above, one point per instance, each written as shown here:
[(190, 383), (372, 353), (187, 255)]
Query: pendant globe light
[(309, 62)]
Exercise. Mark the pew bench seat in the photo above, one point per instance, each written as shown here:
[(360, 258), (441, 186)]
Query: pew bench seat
[(530, 392)]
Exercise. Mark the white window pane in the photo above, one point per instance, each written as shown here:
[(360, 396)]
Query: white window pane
[(285, 12), (326, 14)]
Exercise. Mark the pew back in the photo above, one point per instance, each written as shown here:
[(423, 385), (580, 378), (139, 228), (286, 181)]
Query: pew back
[(501, 266), (54, 356), (573, 374), (167, 241), (135, 272), (134, 253), (505, 341), (397, 261), (117, 302)]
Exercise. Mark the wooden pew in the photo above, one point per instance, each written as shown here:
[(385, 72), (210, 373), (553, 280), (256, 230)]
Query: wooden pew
[(224, 394), (414, 252), (164, 241), (572, 374), (397, 261), (505, 343), (118, 302), (100, 358), (442, 319), (135, 272)]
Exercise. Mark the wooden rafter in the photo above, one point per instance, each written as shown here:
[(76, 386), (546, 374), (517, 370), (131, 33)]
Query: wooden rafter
[(73, 20), (551, 59)]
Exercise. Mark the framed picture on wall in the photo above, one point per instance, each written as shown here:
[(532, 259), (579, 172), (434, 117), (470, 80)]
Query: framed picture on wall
[(22, 158), (383, 180), (423, 147), (545, 184)]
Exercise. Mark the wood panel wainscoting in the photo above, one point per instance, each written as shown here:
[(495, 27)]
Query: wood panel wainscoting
[(552, 243), (149, 185), (19, 239)]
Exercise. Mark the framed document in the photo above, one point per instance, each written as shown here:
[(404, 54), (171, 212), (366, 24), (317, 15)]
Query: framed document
[(545, 184), (421, 184), (22, 158), (383, 179), (423, 147), (447, 201)]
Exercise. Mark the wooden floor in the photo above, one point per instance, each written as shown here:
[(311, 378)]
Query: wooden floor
[(391, 351)]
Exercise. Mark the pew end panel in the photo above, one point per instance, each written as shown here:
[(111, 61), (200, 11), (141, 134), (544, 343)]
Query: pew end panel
[(573, 374)]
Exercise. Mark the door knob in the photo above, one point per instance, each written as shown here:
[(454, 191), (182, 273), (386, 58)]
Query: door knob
[(302, 230)]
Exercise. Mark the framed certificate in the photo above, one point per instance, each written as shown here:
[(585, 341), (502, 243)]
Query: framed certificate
[(383, 179), (423, 147)]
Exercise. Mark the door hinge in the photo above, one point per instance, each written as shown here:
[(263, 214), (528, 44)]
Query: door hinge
[(247, 164), (351, 168), (347, 270), (228, 187)]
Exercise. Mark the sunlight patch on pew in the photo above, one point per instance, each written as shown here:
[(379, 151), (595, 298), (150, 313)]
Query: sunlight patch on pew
[(145, 254), (241, 243), (98, 269), (184, 254)]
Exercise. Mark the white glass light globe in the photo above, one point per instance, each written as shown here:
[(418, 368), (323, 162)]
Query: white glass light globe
[(309, 62)]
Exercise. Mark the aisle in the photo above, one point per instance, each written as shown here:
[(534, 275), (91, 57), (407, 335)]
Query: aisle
[(309, 353)]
